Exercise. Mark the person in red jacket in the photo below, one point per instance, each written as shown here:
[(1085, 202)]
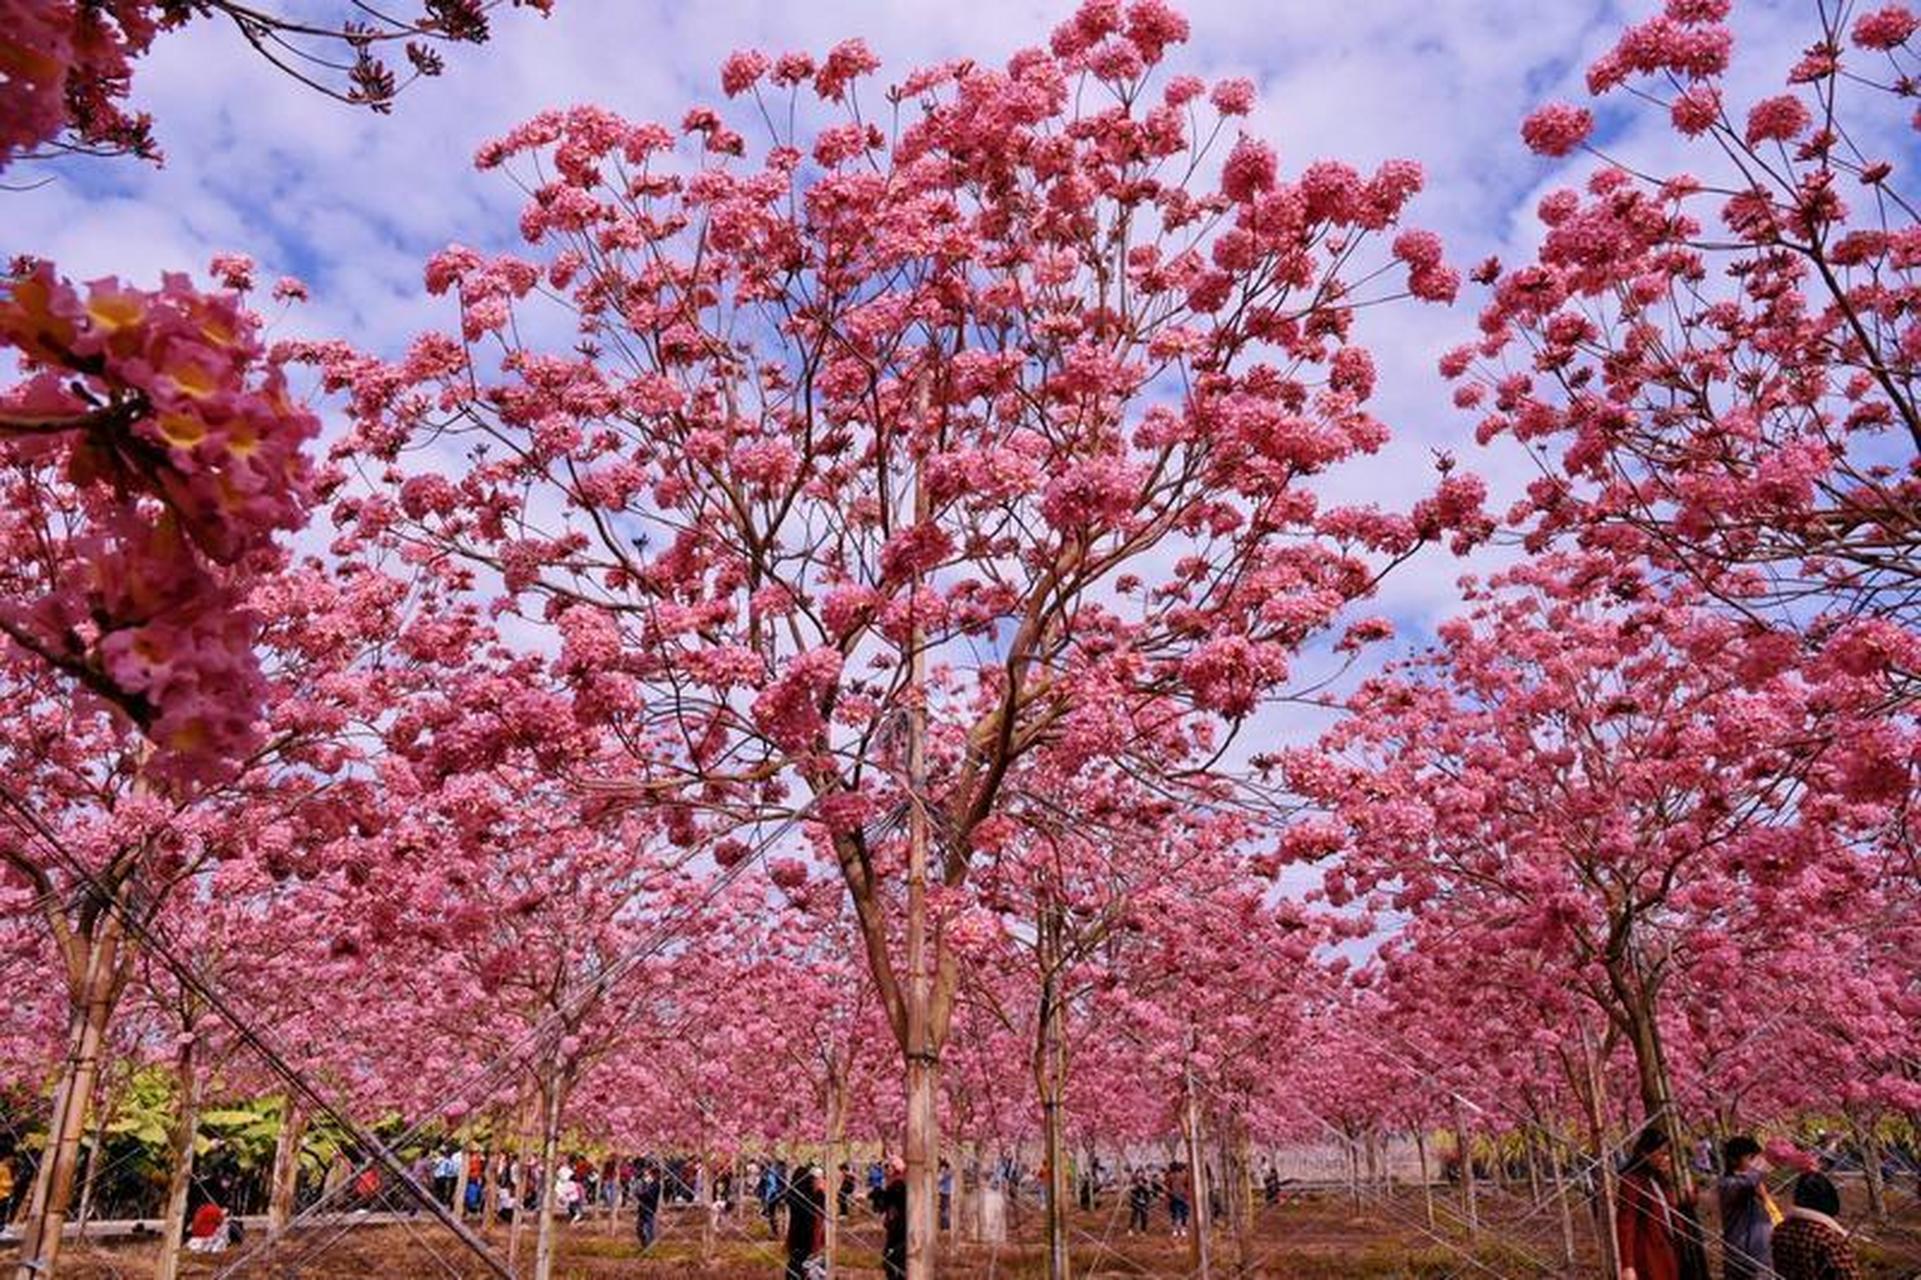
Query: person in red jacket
[(208, 1232), (1648, 1219)]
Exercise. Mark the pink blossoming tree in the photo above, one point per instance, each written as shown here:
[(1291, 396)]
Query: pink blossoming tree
[(861, 466)]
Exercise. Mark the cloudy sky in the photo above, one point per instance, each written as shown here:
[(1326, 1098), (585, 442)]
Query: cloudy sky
[(354, 202)]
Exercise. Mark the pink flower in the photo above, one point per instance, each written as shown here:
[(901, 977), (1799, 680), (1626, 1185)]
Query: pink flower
[(788, 711), (1152, 25), (792, 68), (846, 61), (1436, 283), (1182, 90), (1696, 109), (1778, 119), (1888, 27), (232, 270), (742, 71), (289, 289), (1556, 129), (1233, 97), (917, 549), (1248, 171), (1698, 12), (766, 464), (1418, 248)]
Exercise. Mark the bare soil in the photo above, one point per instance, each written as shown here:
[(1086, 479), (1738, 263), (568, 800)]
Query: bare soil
[(1315, 1236)]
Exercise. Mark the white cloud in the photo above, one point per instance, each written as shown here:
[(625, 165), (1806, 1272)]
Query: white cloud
[(354, 202)]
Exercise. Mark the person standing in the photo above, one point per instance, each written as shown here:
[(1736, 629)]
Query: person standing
[(567, 1192), (1809, 1244), (1649, 1220), (893, 1220), (806, 1221), (1180, 1202), (1748, 1214), (772, 1190), (844, 1194), (1140, 1198), (646, 1204)]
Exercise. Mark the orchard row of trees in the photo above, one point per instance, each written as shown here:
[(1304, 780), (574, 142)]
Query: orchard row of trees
[(807, 654)]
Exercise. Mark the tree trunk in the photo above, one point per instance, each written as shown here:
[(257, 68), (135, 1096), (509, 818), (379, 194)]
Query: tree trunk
[(704, 1178), (1200, 1252), (551, 1097), (923, 1106), (1427, 1181), (1657, 1098), (523, 1138), (1050, 1076), (90, 1180), (1869, 1143), (459, 1206), (173, 1224), (1239, 1200), (1557, 1179), (836, 1156), (922, 1148), (1464, 1157), (1605, 1209), (285, 1188), (46, 1214)]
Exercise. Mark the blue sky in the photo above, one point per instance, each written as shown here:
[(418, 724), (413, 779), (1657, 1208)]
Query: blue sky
[(355, 202)]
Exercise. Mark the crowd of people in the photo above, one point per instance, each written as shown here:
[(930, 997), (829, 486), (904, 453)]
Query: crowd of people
[(1658, 1229)]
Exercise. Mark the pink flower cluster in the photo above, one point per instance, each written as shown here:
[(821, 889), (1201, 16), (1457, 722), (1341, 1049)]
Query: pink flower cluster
[(65, 67), (164, 393), (1888, 27), (788, 711), (1558, 128), (186, 452)]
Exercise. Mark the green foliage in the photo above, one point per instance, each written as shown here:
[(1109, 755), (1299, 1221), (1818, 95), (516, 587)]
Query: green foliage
[(249, 1130)]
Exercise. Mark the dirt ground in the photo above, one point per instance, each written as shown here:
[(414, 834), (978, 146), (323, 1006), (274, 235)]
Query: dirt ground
[(1328, 1236)]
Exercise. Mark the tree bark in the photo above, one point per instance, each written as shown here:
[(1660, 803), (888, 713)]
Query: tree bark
[(523, 1138), (923, 1114), (1200, 1254), (173, 1224), (836, 1156), (46, 1214), (1557, 1178), (1050, 1071), (1239, 1206), (459, 1205), (1427, 1181), (285, 1188), (90, 1180), (1605, 1215), (1464, 1156), (551, 1097), (704, 1179), (1869, 1142)]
